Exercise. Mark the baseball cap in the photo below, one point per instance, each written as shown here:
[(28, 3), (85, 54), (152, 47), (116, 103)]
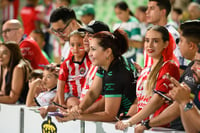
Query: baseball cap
[(94, 27), (87, 9)]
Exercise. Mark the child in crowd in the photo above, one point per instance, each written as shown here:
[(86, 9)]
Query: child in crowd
[(131, 26), (73, 71), (42, 88)]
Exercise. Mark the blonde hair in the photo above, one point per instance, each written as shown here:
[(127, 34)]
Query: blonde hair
[(152, 78)]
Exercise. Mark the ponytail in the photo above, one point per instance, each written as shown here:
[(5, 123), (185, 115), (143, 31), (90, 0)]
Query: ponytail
[(121, 41), (117, 41)]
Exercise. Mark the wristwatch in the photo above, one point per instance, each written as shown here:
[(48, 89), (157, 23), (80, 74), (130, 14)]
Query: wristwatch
[(146, 124), (188, 106)]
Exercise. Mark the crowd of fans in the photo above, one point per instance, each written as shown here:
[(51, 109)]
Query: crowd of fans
[(145, 73)]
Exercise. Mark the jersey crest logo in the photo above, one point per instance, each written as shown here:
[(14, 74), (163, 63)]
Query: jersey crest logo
[(82, 71)]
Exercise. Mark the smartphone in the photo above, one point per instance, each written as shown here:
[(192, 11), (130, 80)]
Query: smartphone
[(59, 105), (162, 95), (55, 114)]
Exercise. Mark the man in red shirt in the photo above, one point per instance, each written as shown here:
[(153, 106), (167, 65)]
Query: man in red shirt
[(12, 30)]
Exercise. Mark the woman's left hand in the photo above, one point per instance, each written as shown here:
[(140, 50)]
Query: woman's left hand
[(121, 125)]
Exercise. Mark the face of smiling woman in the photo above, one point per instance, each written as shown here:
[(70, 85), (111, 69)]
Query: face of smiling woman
[(154, 44), (97, 53)]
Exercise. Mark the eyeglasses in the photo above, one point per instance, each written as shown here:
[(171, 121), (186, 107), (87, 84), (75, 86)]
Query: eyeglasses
[(61, 31), (8, 30)]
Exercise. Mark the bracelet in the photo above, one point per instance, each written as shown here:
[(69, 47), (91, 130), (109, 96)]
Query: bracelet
[(129, 124), (146, 124)]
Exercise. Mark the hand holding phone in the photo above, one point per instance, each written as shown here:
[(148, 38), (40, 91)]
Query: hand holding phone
[(164, 96)]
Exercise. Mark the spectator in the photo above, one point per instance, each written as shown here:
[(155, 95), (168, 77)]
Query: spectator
[(39, 37), (13, 31), (158, 45), (181, 94), (63, 21), (30, 17), (14, 71), (176, 16), (194, 10), (89, 30), (156, 14), (131, 26), (43, 91), (73, 71), (140, 14), (57, 43), (190, 33), (87, 13), (118, 90)]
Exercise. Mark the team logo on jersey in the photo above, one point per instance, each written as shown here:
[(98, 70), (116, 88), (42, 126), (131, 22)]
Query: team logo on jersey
[(82, 71), (48, 126)]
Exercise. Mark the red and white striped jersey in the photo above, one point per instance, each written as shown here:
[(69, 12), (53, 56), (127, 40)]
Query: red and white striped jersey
[(73, 73), (162, 84), (88, 81)]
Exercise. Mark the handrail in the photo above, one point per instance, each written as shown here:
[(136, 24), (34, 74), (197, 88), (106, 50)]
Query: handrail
[(22, 119)]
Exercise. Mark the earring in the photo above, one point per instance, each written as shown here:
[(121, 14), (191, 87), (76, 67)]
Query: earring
[(107, 58)]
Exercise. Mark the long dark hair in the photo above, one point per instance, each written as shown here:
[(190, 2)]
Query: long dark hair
[(117, 41), (15, 57)]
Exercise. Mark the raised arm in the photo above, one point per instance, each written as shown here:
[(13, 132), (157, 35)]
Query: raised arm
[(189, 113), (32, 93)]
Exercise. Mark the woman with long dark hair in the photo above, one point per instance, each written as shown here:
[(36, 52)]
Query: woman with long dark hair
[(14, 71)]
